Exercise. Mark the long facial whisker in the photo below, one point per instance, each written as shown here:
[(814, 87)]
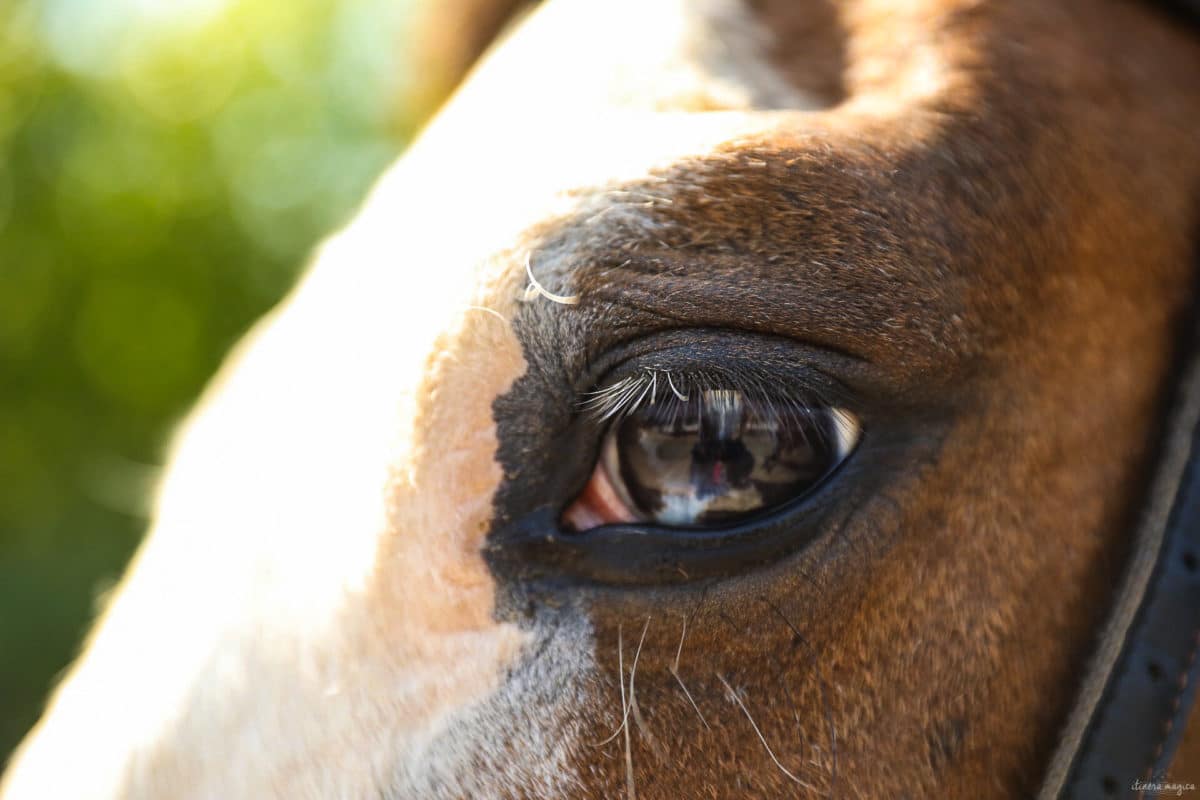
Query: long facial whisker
[(674, 670), (491, 311), (630, 788), (621, 681), (536, 289), (633, 670), (635, 708), (759, 733), (822, 688)]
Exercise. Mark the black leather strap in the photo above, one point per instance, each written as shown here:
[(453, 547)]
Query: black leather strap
[(1133, 704), (1135, 698), (1140, 718)]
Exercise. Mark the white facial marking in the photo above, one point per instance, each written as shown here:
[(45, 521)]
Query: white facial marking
[(311, 616)]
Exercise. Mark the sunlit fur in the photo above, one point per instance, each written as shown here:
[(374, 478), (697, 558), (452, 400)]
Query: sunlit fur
[(992, 205)]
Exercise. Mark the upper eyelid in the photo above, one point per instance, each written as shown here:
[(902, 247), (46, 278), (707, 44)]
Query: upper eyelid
[(632, 290)]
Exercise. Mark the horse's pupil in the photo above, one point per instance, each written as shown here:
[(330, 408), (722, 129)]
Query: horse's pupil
[(717, 459)]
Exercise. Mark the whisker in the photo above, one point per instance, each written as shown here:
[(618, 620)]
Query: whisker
[(621, 682), (636, 708), (630, 789), (535, 289), (761, 738), (491, 311), (633, 671), (822, 689), (674, 670), (625, 709)]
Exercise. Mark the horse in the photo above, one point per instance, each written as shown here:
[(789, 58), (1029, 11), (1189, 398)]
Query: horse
[(719, 399)]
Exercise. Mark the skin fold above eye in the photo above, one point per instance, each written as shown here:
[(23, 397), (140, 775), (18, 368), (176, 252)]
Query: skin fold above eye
[(711, 457)]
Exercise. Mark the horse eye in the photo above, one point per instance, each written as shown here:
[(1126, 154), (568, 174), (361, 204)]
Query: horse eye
[(713, 459)]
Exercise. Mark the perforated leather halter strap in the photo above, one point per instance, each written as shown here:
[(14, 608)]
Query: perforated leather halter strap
[(1140, 686)]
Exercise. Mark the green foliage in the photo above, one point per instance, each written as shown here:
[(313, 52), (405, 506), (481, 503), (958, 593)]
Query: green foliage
[(165, 168)]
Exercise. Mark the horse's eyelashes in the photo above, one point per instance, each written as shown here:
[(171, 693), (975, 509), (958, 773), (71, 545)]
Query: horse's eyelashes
[(674, 392)]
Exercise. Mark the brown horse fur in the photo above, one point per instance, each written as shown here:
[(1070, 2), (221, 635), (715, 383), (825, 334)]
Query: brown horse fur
[(977, 218)]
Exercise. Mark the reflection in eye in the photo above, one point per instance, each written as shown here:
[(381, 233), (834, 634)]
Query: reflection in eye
[(711, 458)]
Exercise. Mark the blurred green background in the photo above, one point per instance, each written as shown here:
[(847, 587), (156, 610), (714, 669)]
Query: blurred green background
[(165, 168)]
